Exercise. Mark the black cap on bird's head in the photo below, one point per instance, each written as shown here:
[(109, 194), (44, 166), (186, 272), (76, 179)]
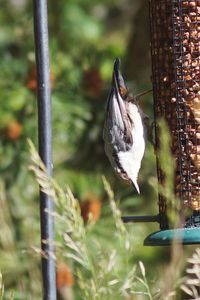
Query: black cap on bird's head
[(118, 81)]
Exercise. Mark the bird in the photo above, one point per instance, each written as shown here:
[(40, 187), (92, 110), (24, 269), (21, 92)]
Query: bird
[(124, 131)]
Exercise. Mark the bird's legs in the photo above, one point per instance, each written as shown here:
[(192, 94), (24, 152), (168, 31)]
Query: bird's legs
[(149, 126), (137, 97)]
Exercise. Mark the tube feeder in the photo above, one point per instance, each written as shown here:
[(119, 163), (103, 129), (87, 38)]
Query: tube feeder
[(175, 53)]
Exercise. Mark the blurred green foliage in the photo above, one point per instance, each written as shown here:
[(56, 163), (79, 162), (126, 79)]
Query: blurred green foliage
[(84, 37)]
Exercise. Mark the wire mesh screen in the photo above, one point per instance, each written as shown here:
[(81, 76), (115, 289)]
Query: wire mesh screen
[(175, 49)]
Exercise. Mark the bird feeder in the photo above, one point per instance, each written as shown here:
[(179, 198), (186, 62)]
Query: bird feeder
[(175, 52)]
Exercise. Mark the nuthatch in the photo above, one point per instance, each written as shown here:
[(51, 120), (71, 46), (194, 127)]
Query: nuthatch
[(124, 129)]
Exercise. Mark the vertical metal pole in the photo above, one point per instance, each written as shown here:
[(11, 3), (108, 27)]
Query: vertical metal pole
[(45, 144)]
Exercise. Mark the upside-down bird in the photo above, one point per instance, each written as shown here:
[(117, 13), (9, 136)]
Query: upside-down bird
[(124, 129)]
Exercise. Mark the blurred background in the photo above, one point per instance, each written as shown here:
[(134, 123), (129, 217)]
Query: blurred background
[(84, 37)]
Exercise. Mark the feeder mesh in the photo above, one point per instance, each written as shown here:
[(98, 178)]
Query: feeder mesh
[(175, 50)]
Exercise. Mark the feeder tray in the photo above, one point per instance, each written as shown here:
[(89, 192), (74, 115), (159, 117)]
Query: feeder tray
[(186, 236), (175, 52), (189, 234)]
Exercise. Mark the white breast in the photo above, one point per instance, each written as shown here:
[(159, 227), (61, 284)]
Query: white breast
[(131, 160)]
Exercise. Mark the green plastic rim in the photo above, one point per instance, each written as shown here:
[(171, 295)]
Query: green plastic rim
[(185, 236)]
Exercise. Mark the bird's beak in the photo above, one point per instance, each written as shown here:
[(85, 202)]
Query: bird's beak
[(118, 81)]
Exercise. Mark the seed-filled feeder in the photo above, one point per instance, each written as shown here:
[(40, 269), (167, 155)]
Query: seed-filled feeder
[(175, 52)]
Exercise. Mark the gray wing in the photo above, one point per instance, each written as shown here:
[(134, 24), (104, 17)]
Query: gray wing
[(118, 127)]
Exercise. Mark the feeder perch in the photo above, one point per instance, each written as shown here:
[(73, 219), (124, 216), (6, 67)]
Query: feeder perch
[(175, 52)]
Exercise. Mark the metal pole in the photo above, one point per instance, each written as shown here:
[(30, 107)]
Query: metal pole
[(45, 144), (138, 219)]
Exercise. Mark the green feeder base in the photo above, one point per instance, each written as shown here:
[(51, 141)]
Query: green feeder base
[(186, 236)]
